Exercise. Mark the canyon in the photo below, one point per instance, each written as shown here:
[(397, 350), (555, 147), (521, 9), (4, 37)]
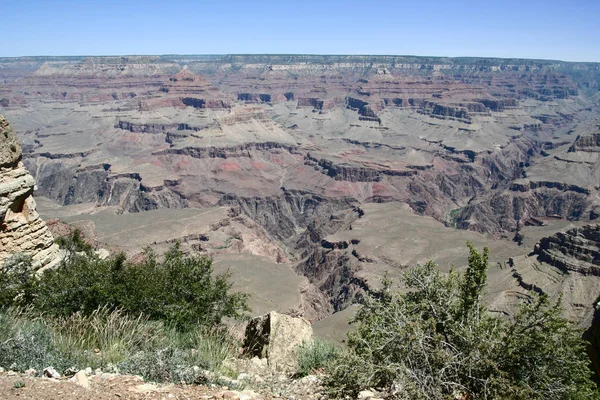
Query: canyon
[(310, 177)]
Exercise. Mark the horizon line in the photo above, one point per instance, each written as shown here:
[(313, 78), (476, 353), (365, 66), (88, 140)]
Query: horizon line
[(299, 55)]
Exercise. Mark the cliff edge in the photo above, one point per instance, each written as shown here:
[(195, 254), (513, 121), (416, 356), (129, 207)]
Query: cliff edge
[(22, 231)]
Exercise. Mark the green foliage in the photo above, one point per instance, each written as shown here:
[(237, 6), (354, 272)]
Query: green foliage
[(315, 355), (19, 384), (179, 290), (74, 243), (15, 278), (473, 282), (111, 340), (163, 365), (159, 318), (115, 335), (437, 341), (28, 343)]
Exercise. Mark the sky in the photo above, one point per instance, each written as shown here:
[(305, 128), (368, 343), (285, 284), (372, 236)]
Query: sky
[(540, 29)]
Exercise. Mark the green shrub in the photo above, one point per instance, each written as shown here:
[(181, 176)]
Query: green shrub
[(28, 343), (103, 313), (113, 340), (164, 365), (315, 355), (179, 290), (15, 279), (438, 341), (183, 356), (114, 334), (211, 347), (19, 384), (74, 243)]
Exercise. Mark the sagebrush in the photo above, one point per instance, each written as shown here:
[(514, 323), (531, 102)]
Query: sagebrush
[(438, 341)]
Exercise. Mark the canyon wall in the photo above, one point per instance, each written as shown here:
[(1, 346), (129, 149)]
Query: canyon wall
[(21, 229)]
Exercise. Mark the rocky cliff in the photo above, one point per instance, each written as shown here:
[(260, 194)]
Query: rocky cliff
[(576, 253), (298, 143), (21, 229), (576, 250)]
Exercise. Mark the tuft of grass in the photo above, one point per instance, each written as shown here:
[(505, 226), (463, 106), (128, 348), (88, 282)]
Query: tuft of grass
[(316, 355), (27, 342), (113, 340), (106, 337), (184, 356)]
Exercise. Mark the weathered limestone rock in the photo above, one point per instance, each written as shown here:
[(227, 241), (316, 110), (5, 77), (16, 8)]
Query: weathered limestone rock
[(276, 337), (21, 229), (577, 250)]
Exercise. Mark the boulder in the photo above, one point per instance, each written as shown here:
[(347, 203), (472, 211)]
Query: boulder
[(276, 337), (50, 372), (81, 379)]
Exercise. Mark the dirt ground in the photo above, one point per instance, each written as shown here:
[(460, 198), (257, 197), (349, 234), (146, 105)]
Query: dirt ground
[(114, 388)]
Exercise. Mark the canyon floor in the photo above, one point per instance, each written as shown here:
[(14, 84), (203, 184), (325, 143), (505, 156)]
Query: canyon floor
[(310, 177)]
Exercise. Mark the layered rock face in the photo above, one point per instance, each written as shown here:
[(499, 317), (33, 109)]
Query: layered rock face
[(300, 144), (576, 253), (576, 250), (21, 229)]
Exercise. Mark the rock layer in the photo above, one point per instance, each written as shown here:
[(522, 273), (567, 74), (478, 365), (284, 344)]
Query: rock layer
[(576, 250), (22, 231)]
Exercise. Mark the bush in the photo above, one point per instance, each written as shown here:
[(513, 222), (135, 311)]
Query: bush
[(111, 340), (15, 278), (28, 343), (179, 290), (108, 313), (164, 365), (114, 334), (437, 341), (315, 355)]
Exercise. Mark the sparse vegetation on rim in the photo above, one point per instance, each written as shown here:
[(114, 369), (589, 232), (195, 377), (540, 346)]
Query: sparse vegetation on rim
[(112, 341), (112, 314), (434, 341), (180, 290), (315, 356), (438, 341)]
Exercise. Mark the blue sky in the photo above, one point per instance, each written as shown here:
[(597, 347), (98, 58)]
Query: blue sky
[(550, 29)]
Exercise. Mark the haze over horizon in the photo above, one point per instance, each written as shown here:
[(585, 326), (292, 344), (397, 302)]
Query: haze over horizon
[(555, 29)]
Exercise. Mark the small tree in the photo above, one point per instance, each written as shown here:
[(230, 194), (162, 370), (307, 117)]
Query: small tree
[(180, 290), (438, 341)]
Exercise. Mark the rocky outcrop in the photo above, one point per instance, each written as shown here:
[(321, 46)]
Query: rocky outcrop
[(310, 102), (353, 173), (588, 143), (22, 231), (319, 104), (205, 103), (365, 111), (242, 150), (502, 210), (155, 127), (277, 337), (577, 250), (498, 105), (533, 185), (282, 215), (254, 98), (444, 111)]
